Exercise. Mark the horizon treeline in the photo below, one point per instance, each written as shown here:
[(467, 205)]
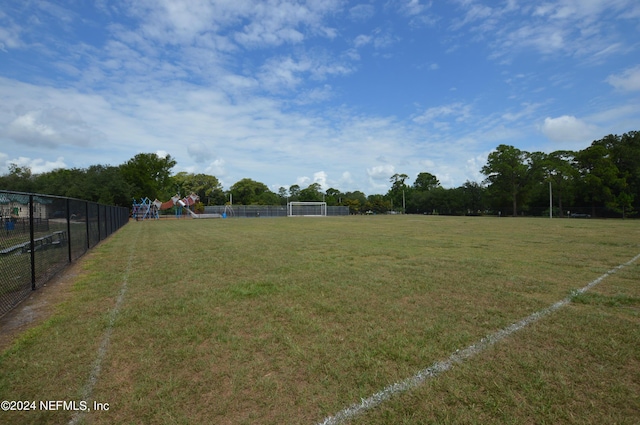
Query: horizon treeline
[(600, 180)]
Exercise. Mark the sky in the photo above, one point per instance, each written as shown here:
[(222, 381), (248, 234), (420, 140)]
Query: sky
[(341, 93)]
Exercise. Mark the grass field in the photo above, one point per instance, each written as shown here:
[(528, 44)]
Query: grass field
[(290, 321)]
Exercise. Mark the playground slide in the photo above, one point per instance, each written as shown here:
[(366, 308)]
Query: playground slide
[(166, 205), (182, 204)]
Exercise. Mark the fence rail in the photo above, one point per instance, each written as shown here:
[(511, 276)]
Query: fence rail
[(41, 234)]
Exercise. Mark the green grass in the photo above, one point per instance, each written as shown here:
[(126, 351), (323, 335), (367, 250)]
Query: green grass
[(291, 320)]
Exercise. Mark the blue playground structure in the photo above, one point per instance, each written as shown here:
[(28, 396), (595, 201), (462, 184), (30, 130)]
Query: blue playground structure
[(145, 209)]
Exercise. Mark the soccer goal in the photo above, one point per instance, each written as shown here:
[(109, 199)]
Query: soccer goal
[(307, 209)]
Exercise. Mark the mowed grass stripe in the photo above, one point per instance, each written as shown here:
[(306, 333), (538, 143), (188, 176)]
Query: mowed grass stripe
[(87, 391), (288, 321)]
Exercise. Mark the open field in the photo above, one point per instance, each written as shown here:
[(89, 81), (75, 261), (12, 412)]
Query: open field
[(275, 321)]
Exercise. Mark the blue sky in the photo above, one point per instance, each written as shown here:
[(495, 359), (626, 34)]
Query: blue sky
[(340, 93)]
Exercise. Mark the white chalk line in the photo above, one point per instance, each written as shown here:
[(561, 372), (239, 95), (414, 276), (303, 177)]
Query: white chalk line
[(458, 357), (104, 344)]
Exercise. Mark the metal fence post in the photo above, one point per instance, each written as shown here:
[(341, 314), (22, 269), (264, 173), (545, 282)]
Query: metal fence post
[(32, 244), (98, 219), (68, 216), (86, 215)]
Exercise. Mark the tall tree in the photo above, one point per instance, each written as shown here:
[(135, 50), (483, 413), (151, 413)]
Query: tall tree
[(628, 161), (624, 152), (106, 185), (421, 196), (19, 179), (248, 192), (311, 193), (207, 187), (426, 181), (397, 193), (473, 195), (149, 175), (355, 201), (283, 194), (333, 197), (507, 174), (377, 204), (71, 182), (294, 192), (599, 176), (561, 170)]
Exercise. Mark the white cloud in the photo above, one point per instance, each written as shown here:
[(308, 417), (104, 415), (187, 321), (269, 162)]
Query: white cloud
[(617, 115), (4, 164), (36, 165), (527, 110), (50, 127), (628, 80), (381, 172), (458, 111), (567, 128), (315, 95), (427, 164), (286, 73), (260, 33), (384, 39), (321, 178), (362, 12), (579, 10), (345, 179), (362, 40), (475, 12), (216, 168), (199, 152), (561, 27), (413, 7), (10, 37), (474, 165), (27, 129), (271, 24), (303, 182)]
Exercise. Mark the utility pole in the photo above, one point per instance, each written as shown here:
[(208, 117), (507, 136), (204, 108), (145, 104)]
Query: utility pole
[(550, 201), (404, 208)]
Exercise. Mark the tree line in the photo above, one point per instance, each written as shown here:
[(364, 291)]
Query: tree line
[(601, 180)]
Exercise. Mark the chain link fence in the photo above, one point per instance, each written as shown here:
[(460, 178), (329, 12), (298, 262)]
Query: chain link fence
[(264, 210), (41, 234)]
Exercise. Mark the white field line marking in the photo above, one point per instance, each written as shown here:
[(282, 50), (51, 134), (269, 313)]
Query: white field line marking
[(458, 357), (104, 344)]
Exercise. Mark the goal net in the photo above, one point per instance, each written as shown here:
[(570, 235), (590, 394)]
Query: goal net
[(307, 209)]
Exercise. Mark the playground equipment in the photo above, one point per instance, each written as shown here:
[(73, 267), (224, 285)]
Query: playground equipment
[(184, 204), (144, 209), (148, 209), (228, 212)]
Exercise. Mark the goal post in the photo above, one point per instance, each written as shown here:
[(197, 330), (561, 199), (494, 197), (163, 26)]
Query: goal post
[(306, 209)]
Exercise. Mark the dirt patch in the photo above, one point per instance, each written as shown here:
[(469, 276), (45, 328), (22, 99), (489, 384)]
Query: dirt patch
[(38, 307)]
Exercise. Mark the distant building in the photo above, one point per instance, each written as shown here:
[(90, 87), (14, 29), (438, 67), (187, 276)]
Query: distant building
[(14, 205)]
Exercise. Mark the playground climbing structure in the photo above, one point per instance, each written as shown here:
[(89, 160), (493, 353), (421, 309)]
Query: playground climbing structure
[(148, 209), (144, 209)]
